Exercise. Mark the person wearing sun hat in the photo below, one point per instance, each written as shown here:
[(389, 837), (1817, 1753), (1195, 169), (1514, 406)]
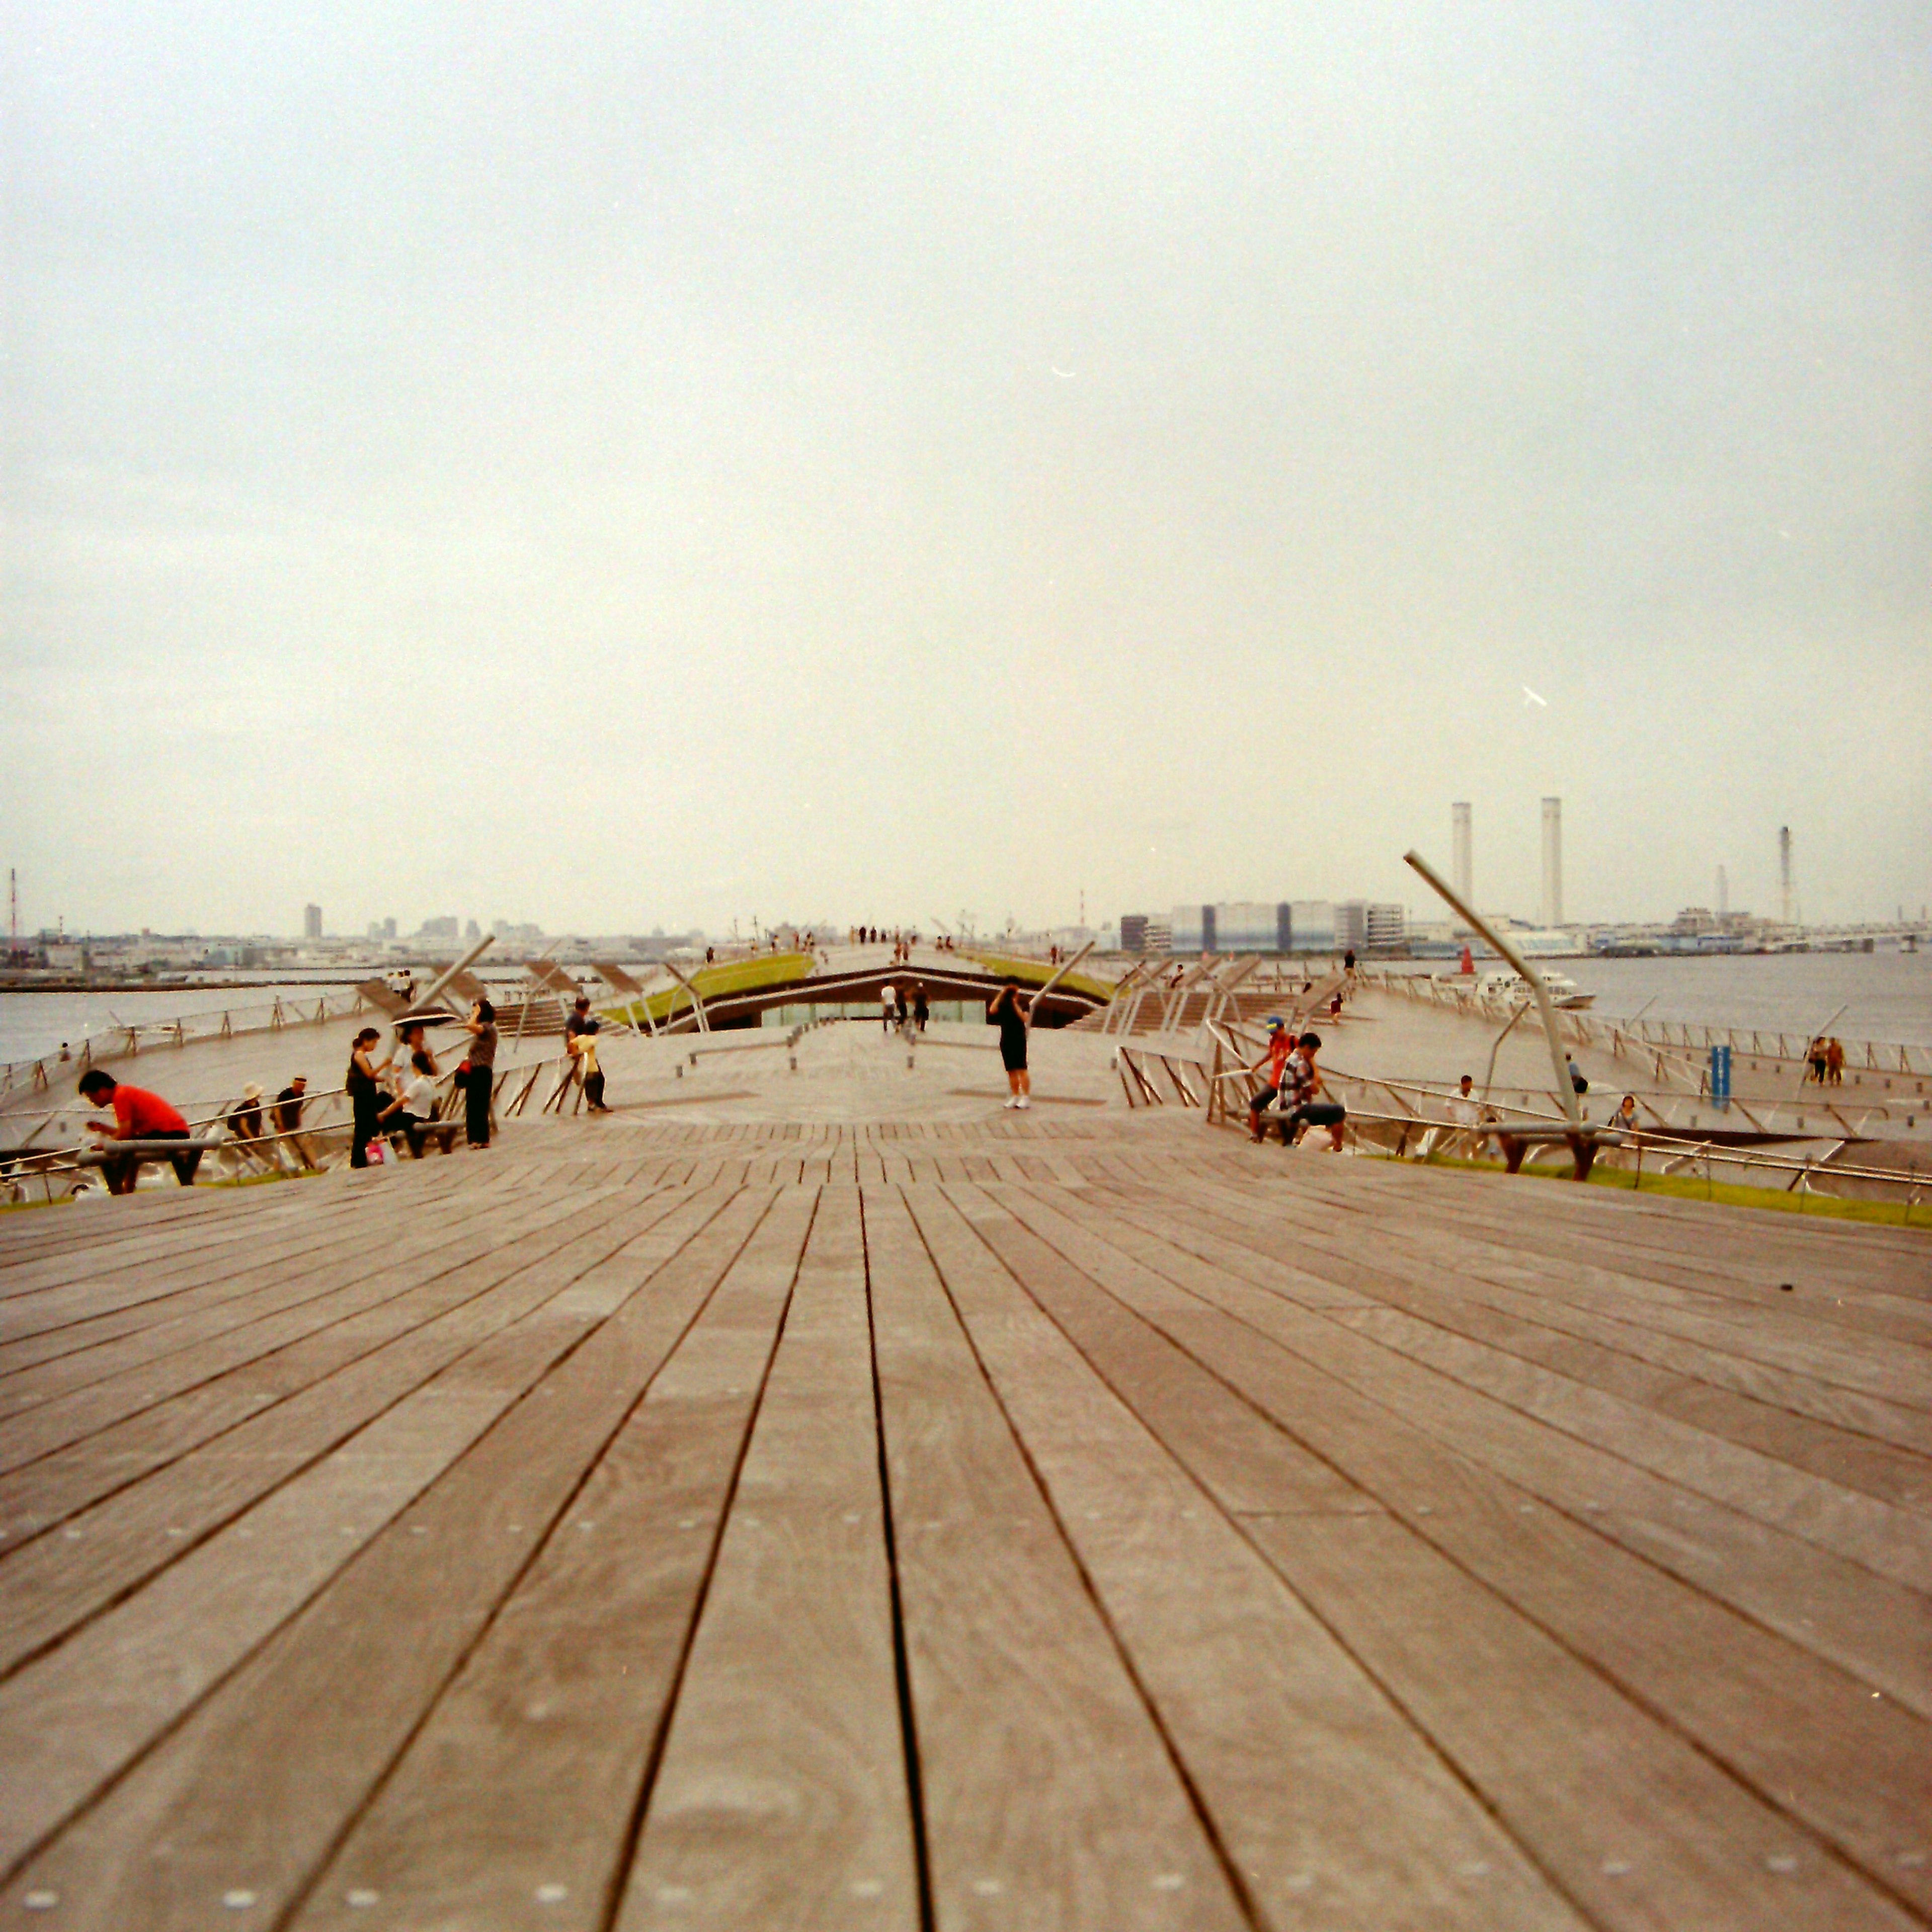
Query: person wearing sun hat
[(1281, 1043)]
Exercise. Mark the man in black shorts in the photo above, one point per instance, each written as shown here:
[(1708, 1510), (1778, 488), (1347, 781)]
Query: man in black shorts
[(1303, 1089), (1007, 1011)]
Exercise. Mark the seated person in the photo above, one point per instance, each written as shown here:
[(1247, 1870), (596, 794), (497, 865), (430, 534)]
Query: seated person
[(1304, 1089), (139, 1115)]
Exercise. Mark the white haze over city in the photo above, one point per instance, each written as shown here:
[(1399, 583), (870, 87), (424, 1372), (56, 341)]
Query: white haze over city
[(620, 466)]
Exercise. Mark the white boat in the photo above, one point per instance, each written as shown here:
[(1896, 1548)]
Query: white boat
[(1564, 991)]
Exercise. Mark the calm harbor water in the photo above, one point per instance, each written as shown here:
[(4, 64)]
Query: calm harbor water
[(34, 1024), (1887, 996)]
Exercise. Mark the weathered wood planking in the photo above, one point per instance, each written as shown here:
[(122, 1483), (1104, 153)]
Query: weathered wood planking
[(1068, 1522)]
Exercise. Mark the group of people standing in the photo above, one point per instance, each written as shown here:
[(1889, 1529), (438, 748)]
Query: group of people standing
[(394, 1098), (1824, 1062)]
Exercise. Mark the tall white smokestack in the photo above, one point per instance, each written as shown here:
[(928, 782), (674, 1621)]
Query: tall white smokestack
[(1784, 873), (1462, 854), (1552, 862), (1723, 895)]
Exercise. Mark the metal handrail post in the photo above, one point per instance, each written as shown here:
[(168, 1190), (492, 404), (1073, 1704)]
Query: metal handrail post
[(1572, 1111), (1067, 966), (697, 998)]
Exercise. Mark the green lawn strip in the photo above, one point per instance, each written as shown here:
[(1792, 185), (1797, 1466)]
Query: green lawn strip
[(732, 976), (1687, 1187), (1035, 973)]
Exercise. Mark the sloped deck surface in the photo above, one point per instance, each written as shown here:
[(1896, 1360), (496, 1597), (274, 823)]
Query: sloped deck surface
[(1046, 1521)]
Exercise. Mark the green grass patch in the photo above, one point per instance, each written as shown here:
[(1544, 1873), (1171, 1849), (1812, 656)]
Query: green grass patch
[(1036, 973), (1725, 1193), (730, 975)]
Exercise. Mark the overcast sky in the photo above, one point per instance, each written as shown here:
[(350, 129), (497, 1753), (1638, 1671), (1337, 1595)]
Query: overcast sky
[(625, 465)]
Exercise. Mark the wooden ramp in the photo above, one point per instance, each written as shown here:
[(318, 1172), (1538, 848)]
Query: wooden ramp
[(1046, 1522)]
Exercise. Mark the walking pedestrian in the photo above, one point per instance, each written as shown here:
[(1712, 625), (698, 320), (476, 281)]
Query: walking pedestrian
[(1816, 1054), (900, 1010), (363, 1083), (919, 1008), (139, 1115), (1834, 1061), (288, 1119), (1008, 1011), (888, 1007), (480, 1081)]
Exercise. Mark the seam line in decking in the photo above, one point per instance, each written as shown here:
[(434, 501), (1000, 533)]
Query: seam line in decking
[(632, 1835), (1764, 1793), (901, 1663), (1396, 1702), (1230, 1870), (300, 1893), (163, 1732)]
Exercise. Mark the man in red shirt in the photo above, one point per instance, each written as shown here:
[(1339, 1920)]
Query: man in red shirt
[(139, 1115)]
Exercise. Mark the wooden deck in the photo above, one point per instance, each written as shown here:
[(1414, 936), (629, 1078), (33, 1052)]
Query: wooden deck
[(1061, 1521)]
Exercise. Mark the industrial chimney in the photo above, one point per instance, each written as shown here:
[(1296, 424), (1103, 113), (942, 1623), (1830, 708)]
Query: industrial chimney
[(1461, 855), (1552, 862), (1784, 873)]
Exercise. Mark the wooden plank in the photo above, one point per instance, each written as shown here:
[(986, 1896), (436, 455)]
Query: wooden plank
[(1889, 1542), (50, 1585), (1638, 1825), (191, 1399), (1016, 1683), (1322, 1794), (250, 1791), (115, 1686), (376, 1251), (1873, 1627), (1810, 1739), (515, 1802), (782, 1798)]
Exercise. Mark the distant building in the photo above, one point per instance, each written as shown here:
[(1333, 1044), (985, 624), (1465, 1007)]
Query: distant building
[(1133, 932), (1246, 925), (388, 929), (311, 922), (471, 933), (443, 927), (1193, 929), (1368, 925), (1387, 927), (1311, 925), (1159, 935)]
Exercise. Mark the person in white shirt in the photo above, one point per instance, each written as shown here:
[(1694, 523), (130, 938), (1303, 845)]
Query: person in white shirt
[(415, 1104), (888, 1005), (1466, 1111)]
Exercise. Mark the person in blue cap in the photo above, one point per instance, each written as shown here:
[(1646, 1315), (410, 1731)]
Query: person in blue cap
[(1281, 1043)]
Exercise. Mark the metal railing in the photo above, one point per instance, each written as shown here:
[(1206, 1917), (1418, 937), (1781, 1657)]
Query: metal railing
[(1675, 1050), (320, 1142), (126, 1041)]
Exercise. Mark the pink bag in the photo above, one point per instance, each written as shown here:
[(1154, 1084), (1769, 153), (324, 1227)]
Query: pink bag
[(377, 1152)]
